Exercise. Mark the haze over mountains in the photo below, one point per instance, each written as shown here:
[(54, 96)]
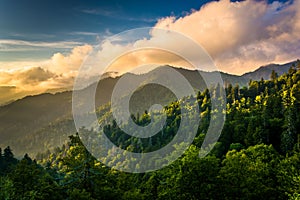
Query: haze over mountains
[(38, 123)]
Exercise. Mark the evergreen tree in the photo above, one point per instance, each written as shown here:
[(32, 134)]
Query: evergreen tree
[(274, 75)]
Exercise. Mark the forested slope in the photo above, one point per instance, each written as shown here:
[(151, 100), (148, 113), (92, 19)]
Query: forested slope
[(257, 156)]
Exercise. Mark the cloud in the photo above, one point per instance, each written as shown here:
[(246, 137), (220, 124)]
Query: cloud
[(116, 14), (84, 33), (61, 64), (146, 60), (23, 78), (8, 93), (60, 44), (243, 35), (15, 84), (239, 36), (35, 75), (108, 12), (140, 19)]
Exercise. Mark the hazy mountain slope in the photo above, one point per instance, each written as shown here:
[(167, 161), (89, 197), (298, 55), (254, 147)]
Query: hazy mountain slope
[(37, 123), (20, 119), (265, 71)]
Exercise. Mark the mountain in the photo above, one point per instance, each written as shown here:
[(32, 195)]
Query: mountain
[(41, 122), (10, 94), (266, 71)]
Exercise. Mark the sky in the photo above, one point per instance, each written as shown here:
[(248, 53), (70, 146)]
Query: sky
[(57, 26), (43, 43)]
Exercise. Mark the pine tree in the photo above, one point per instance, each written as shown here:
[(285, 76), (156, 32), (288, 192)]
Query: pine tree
[(298, 65), (274, 75)]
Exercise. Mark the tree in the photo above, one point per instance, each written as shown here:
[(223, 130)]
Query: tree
[(191, 177), (8, 155), (31, 181), (84, 172), (7, 161), (298, 65), (288, 174), (250, 173), (288, 137), (274, 75)]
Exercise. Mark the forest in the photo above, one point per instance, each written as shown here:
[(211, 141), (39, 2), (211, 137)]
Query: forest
[(256, 157)]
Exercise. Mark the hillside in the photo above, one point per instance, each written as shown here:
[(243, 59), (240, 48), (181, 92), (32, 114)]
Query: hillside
[(256, 156), (37, 123), (266, 71)]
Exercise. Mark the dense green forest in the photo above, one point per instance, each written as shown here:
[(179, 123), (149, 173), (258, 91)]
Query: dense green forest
[(256, 157)]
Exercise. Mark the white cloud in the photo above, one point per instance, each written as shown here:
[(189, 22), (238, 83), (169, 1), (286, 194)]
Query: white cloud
[(60, 44), (61, 64), (243, 35)]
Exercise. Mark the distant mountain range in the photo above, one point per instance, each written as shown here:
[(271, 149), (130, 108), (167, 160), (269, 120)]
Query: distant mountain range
[(41, 122), (265, 71)]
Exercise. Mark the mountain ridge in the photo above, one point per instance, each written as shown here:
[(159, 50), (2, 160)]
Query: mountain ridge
[(25, 123), (266, 70), (10, 94)]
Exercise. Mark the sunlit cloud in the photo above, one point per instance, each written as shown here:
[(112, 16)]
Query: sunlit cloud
[(62, 64), (22, 78), (241, 36)]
